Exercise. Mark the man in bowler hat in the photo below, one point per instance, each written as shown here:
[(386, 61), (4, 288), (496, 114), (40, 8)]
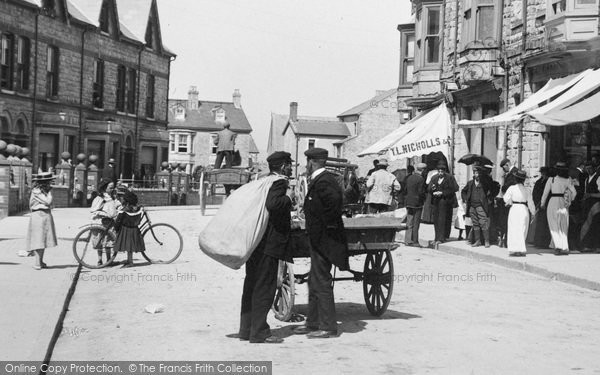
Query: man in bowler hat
[(260, 283), (328, 245)]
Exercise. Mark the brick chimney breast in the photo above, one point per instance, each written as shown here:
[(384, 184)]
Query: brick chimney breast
[(192, 103), (237, 99), (294, 111)]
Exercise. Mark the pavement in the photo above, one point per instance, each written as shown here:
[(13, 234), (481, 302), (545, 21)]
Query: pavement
[(38, 305)]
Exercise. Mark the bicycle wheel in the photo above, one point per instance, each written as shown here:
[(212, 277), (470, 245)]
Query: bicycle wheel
[(163, 243), (89, 242)]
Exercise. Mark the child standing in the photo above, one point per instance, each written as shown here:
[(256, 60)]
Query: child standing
[(104, 211), (41, 232), (129, 236)]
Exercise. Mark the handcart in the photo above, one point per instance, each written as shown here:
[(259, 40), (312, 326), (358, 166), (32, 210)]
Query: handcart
[(370, 236), (230, 178)]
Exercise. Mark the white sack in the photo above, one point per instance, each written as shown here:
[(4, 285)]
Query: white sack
[(236, 230)]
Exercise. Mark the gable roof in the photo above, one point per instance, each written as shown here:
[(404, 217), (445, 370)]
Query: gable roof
[(203, 119), (368, 104), (133, 17), (318, 126)]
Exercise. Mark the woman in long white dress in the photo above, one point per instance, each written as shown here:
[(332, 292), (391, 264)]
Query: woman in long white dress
[(521, 204), (561, 191)]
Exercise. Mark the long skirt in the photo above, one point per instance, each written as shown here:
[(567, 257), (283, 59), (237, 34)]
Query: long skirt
[(41, 232), (518, 225), (558, 222)]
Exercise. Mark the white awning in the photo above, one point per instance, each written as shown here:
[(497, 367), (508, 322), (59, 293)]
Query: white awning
[(427, 133), (571, 96), (553, 88), (584, 110)]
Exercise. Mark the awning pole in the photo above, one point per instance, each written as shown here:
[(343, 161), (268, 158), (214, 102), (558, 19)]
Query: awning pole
[(520, 145)]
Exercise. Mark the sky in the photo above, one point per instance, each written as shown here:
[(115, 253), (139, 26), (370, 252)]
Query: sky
[(326, 55)]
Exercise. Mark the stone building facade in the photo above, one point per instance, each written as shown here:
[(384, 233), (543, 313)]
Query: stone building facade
[(77, 77), (485, 57), (368, 122)]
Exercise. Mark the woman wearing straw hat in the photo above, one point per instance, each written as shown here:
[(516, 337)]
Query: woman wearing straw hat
[(521, 204), (561, 191), (41, 232)]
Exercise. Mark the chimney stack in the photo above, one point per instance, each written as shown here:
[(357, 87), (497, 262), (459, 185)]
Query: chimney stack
[(237, 99), (192, 103), (293, 111)]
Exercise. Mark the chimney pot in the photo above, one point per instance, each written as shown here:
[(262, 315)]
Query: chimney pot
[(192, 98), (237, 99), (294, 111)]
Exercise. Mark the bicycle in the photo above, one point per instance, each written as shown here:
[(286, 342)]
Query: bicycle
[(163, 243)]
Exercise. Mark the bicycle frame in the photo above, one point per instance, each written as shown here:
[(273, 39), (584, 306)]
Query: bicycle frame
[(146, 224)]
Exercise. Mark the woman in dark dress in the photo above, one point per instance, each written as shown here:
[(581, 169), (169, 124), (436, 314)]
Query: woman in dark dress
[(129, 236), (542, 231)]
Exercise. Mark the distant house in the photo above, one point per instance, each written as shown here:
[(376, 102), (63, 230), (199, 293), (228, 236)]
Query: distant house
[(303, 132), (192, 127), (369, 122)]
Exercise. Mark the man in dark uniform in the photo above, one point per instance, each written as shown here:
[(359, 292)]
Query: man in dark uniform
[(260, 283), (414, 187), (328, 245), (476, 196)]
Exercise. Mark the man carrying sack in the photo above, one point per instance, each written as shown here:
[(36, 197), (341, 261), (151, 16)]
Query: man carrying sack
[(260, 283), (328, 245)]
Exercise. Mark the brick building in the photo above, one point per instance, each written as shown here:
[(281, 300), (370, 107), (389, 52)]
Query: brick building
[(485, 57), (370, 121), (85, 76), (193, 124)]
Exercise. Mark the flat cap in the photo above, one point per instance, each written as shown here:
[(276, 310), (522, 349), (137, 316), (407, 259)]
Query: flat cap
[(421, 166), (383, 162), (504, 162), (279, 158), (316, 153)]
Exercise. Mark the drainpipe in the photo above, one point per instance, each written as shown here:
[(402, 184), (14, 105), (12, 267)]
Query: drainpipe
[(34, 142), (455, 116), (137, 111), (171, 58), (504, 128), (80, 144), (297, 161), (522, 91)]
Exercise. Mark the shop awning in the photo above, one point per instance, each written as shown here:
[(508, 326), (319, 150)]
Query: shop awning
[(552, 89), (579, 91), (427, 133), (584, 110)]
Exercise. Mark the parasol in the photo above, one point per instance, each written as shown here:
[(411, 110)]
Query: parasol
[(469, 159)]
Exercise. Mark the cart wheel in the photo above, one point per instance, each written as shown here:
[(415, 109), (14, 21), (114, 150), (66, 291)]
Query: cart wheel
[(378, 281), (284, 297), (202, 194)]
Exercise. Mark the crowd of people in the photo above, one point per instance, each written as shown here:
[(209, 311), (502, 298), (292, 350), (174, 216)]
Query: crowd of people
[(560, 213)]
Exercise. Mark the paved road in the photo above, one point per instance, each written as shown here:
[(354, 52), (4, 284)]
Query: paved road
[(449, 315)]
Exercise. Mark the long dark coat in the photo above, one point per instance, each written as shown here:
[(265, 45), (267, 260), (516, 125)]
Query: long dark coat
[(275, 241), (324, 225)]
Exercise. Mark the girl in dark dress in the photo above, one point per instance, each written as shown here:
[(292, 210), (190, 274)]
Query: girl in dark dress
[(129, 236)]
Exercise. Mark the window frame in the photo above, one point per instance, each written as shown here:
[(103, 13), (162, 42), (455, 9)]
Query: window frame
[(121, 88), (150, 92), (182, 144), (7, 60), (471, 26), (23, 63), (428, 36), (405, 57), (131, 90), (98, 85), (52, 71)]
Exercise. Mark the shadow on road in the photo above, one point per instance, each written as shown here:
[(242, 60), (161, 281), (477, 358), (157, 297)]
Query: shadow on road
[(353, 317)]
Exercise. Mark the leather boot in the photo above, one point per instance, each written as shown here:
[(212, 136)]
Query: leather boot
[(486, 238), (476, 237)]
